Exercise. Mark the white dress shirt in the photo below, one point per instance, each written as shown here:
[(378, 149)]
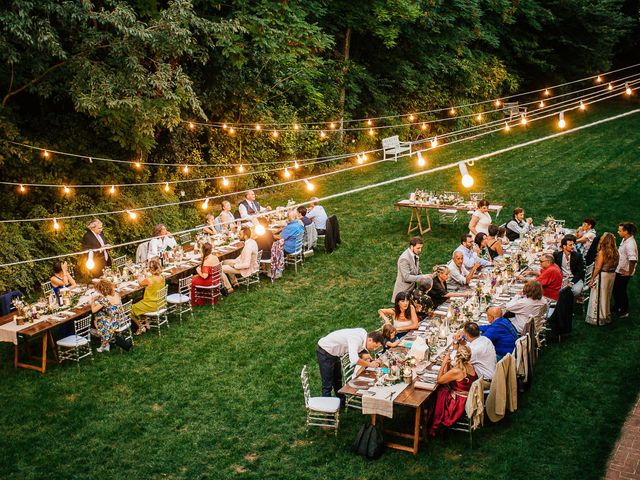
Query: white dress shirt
[(483, 357), (628, 252), (470, 257), (347, 340), (590, 236), (244, 214), (158, 245), (524, 308), (319, 217), (457, 275), (104, 252), (566, 266)]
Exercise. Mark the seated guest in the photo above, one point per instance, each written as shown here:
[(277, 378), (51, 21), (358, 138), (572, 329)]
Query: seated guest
[(470, 253), (517, 226), (549, 276), (153, 284), (494, 244), (530, 304), (586, 234), (318, 215), (458, 273), (161, 242), (455, 378), (403, 315), (420, 297), (291, 232), (502, 235), (107, 310), (390, 335), (480, 220), (483, 353), (249, 208), (481, 241), (210, 227), (265, 241), (302, 211), (439, 292), (61, 278), (571, 265), (204, 274), (226, 222), (247, 263), (500, 331)]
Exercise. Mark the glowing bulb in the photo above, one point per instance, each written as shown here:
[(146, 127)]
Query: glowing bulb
[(138, 165), (610, 87), (369, 122), (192, 125), (186, 169), (258, 127), (46, 154), (421, 160), (627, 88), (241, 168), (132, 215), (467, 180), (497, 103), (56, 225), (371, 132), (166, 187), (434, 142), (224, 126), (452, 111), (546, 92), (599, 79), (541, 104), (364, 157), (583, 107), (232, 131), (287, 173), (561, 121), (360, 160), (260, 230), (412, 117), (90, 263), (22, 189), (205, 204), (275, 134), (310, 186), (112, 190), (506, 127), (225, 182), (66, 189), (296, 126), (479, 117), (296, 165), (322, 134), (424, 126), (523, 119), (332, 125)]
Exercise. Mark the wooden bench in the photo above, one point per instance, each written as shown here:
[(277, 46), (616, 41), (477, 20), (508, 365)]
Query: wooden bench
[(392, 146), (513, 110)]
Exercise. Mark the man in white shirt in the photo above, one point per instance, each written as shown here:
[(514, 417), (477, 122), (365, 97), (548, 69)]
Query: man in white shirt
[(352, 341), (469, 251), (459, 276), (249, 208), (483, 353), (246, 264), (161, 241), (585, 235), (628, 252), (530, 304), (317, 213)]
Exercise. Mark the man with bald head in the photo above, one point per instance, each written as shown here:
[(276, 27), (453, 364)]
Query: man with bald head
[(500, 331), (459, 276)]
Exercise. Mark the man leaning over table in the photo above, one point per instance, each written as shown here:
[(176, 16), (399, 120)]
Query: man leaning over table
[(352, 341)]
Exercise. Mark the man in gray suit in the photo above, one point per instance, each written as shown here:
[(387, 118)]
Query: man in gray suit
[(409, 268)]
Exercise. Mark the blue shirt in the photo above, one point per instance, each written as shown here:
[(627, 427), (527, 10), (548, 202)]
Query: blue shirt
[(502, 334), (289, 235), (470, 257)]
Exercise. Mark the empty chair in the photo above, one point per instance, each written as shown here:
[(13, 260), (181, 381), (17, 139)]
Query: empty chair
[(476, 196), (119, 262), (47, 289), (351, 401), (180, 303), (321, 411), (448, 216), (77, 346), (392, 147), (254, 278), (297, 257), (159, 317)]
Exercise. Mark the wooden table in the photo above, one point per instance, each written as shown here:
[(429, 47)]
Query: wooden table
[(420, 210), (46, 327)]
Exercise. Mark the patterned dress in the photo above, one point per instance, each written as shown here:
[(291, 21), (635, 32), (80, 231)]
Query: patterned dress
[(107, 319)]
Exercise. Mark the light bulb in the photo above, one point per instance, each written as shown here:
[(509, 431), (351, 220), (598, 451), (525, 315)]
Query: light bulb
[(260, 230), (287, 173), (360, 160), (66, 189), (371, 132), (112, 190), (296, 165), (610, 87), (546, 92), (46, 154), (322, 134), (421, 160), (434, 142), (258, 127), (583, 107), (275, 134), (90, 263), (479, 117), (205, 204), (132, 215), (497, 103), (467, 180), (364, 157), (224, 126), (369, 122), (192, 125), (225, 182), (232, 131), (332, 125), (412, 117), (241, 168), (599, 79), (423, 126), (296, 126), (166, 187), (310, 186), (22, 189), (452, 111), (523, 119), (627, 88), (186, 169), (506, 127), (138, 165), (56, 225), (541, 104), (561, 121)]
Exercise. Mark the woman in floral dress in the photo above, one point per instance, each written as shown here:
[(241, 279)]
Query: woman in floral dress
[(107, 310)]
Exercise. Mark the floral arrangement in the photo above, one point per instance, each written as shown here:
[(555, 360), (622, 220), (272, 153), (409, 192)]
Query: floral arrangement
[(25, 311)]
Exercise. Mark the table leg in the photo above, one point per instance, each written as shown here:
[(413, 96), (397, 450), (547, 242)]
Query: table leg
[(416, 430), (43, 361), (45, 342), (414, 213), (428, 229)]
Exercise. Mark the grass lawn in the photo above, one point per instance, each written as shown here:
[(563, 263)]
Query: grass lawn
[(220, 396)]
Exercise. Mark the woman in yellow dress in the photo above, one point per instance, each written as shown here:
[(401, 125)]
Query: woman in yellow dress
[(152, 285)]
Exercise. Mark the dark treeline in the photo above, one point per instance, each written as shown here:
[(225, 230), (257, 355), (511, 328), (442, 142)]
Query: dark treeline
[(118, 78)]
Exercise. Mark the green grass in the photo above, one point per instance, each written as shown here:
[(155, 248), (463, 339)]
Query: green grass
[(220, 397)]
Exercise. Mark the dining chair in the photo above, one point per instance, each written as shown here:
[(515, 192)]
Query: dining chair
[(77, 346), (119, 262), (159, 317), (297, 257), (47, 289), (180, 303), (210, 293), (254, 278), (125, 321), (322, 412), (351, 401)]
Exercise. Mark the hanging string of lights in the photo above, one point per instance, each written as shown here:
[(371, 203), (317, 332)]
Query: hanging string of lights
[(458, 164)]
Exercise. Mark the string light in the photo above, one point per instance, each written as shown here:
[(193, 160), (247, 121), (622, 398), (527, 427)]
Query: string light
[(287, 173), (241, 168), (452, 111), (258, 127), (56, 225), (627, 88), (497, 103), (434, 142), (192, 125), (364, 157), (561, 121), (610, 87), (541, 104), (506, 127), (310, 186), (599, 79), (332, 125), (296, 126), (360, 160), (232, 131), (275, 134), (112, 190), (322, 134), (46, 154), (90, 263), (369, 122), (205, 204), (424, 126), (412, 117), (296, 165), (479, 117), (523, 119), (546, 92), (138, 165), (260, 230), (583, 107), (371, 132), (186, 169), (22, 189), (225, 182), (467, 180), (132, 215), (166, 187), (66, 190), (421, 160)]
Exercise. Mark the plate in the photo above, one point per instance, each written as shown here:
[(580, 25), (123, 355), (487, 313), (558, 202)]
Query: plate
[(360, 384)]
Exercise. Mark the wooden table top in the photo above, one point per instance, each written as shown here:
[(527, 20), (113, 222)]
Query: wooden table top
[(460, 207)]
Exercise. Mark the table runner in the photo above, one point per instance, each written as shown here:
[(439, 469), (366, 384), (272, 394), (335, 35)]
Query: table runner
[(380, 402)]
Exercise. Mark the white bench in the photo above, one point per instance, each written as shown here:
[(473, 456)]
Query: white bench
[(392, 146), (513, 110)]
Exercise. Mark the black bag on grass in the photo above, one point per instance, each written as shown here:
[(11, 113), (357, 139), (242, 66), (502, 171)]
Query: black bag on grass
[(369, 442)]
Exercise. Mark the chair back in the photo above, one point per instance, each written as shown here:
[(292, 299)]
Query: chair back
[(125, 312), (82, 327), (304, 378), (216, 275), (347, 368), (184, 238), (47, 289), (588, 273), (119, 262), (299, 240), (310, 239), (161, 298), (184, 285), (477, 196), (391, 142)]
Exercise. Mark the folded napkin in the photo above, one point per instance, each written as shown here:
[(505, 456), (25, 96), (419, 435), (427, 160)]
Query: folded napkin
[(379, 400)]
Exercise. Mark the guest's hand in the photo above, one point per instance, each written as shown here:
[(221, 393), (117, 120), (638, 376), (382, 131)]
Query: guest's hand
[(529, 220), (374, 363)]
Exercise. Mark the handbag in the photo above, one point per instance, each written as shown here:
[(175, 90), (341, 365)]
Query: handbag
[(123, 343), (369, 442)]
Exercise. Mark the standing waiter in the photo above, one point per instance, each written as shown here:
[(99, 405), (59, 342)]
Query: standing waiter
[(94, 240)]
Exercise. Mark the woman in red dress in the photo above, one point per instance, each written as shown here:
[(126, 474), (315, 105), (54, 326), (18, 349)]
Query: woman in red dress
[(204, 274), (454, 380)]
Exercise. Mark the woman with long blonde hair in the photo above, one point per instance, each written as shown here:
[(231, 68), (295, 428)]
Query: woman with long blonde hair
[(601, 283)]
